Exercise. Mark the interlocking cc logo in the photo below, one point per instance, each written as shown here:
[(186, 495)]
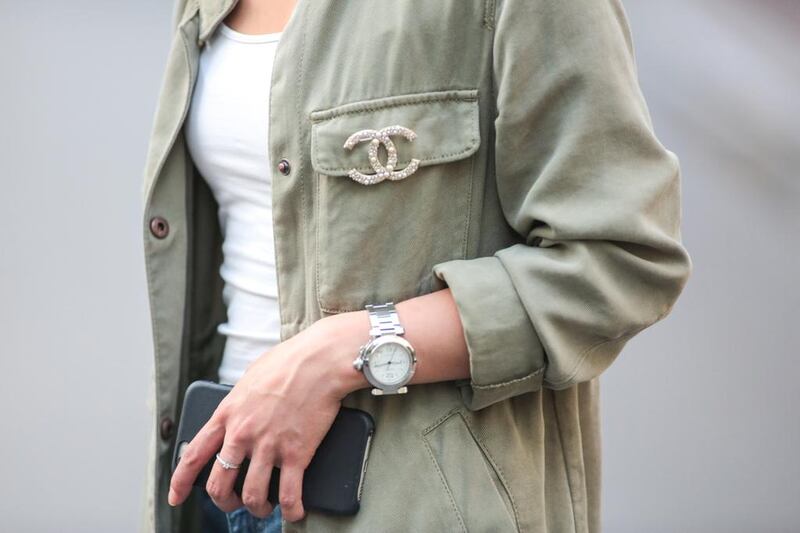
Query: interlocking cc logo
[(378, 137)]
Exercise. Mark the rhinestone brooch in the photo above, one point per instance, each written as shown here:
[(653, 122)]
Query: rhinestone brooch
[(376, 138)]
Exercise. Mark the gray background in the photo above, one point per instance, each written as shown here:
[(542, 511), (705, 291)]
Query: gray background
[(701, 432)]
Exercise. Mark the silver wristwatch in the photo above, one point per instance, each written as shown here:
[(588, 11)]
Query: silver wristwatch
[(387, 360)]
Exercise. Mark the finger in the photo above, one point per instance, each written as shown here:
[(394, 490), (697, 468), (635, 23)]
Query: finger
[(256, 484), (194, 457), (290, 492), (221, 480)]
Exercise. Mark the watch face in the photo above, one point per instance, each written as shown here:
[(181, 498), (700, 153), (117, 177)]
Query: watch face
[(390, 363)]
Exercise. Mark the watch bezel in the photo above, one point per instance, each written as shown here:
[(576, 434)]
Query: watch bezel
[(373, 345)]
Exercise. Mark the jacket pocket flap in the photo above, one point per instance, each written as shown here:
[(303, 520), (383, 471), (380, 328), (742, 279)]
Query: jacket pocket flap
[(445, 123)]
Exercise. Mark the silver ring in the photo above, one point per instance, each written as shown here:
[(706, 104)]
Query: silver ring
[(226, 464)]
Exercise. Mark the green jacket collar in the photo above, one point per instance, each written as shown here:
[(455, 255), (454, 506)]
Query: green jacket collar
[(211, 13)]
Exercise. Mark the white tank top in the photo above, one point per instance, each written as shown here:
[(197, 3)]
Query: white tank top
[(226, 131)]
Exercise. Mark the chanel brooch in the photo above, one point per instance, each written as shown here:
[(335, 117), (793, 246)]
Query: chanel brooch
[(376, 138)]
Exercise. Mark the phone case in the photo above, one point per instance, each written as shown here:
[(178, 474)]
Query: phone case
[(332, 481)]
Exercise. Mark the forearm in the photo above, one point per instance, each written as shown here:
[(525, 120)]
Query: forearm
[(432, 325)]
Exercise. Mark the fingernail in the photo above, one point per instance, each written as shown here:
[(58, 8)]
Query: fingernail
[(171, 497)]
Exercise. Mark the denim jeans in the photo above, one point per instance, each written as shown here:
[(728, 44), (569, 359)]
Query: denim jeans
[(237, 521)]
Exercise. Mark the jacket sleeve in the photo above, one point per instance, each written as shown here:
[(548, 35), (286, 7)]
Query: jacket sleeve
[(592, 194)]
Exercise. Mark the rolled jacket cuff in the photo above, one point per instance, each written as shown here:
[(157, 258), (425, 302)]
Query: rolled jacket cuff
[(506, 357)]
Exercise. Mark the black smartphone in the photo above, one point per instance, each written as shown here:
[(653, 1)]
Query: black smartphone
[(332, 481)]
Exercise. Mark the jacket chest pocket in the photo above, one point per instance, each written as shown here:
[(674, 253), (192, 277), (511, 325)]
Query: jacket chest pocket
[(395, 200)]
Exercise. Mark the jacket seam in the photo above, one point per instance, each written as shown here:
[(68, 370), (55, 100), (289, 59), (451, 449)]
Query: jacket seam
[(439, 470), (490, 386), (490, 70), (468, 222), (497, 469), (317, 211), (582, 358), (366, 105), (488, 14), (474, 140), (439, 421), (298, 111), (158, 407), (276, 258), (148, 263), (459, 411), (588, 351), (566, 463)]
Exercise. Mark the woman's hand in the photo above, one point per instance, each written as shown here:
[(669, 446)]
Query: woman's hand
[(277, 414), (286, 401)]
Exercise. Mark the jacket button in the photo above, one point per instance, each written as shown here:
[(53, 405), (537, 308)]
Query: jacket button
[(283, 167), (159, 227), (167, 427)]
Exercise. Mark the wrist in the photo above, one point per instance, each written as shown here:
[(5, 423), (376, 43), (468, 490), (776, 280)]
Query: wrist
[(344, 334)]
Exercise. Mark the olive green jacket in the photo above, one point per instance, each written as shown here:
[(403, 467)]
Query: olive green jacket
[(542, 198)]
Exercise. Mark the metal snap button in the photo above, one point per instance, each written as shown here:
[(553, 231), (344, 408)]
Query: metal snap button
[(167, 428), (284, 167), (159, 227)]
